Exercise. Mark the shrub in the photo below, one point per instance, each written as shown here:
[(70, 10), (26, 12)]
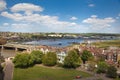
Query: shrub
[(112, 72), (49, 59), (72, 60), (23, 60), (37, 55), (102, 67)]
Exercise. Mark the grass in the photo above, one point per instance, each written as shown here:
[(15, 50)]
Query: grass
[(105, 44), (45, 73)]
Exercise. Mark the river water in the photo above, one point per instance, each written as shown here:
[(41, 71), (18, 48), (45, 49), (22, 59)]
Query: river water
[(57, 42), (48, 42), (8, 53)]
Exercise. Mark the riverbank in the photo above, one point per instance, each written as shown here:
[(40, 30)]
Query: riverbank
[(106, 44)]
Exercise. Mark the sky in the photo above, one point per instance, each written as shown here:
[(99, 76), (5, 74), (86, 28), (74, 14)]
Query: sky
[(61, 16)]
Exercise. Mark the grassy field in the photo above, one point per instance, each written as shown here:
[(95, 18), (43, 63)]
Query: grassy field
[(44, 73), (106, 44)]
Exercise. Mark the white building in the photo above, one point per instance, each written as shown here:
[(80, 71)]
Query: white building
[(61, 56)]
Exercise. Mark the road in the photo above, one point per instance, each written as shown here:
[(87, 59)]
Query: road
[(8, 70)]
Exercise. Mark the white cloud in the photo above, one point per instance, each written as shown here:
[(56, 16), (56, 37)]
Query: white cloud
[(27, 7), (98, 23), (37, 18), (91, 5), (45, 20), (73, 18), (5, 24), (14, 16), (2, 5), (19, 25), (94, 16), (31, 21)]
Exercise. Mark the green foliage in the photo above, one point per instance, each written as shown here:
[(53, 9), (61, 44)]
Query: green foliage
[(102, 67), (112, 72), (86, 55), (23, 60), (37, 55), (72, 60), (49, 59)]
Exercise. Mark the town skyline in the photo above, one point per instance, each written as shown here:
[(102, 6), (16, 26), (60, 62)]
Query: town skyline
[(63, 16)]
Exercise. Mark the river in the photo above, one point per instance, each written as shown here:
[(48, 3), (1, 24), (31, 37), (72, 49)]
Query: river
[(8, 53), (48, 42), (57, 42)]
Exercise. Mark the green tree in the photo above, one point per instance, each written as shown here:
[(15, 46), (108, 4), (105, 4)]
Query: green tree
[(86, 55), (72, 60), (102, 67), (112, 72), (23, 60), (37, 55), (49, 59)]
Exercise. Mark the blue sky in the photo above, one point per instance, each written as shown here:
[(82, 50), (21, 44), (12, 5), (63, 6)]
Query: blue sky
[(72, 16)]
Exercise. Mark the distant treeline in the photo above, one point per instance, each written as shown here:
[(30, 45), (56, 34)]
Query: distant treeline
[(16, 37)]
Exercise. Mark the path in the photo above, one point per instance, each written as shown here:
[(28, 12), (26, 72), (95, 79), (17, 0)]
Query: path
[(8, 70)]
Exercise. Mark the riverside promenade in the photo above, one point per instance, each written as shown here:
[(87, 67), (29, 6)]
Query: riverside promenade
[(8, 70)]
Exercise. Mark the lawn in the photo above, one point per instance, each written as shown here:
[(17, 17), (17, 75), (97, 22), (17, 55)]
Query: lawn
[(106, 44), (45, 73)]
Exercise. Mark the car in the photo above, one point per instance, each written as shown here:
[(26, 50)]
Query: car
[(78, 77)]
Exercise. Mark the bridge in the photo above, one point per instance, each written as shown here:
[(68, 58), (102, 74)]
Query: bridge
[(17, 47)]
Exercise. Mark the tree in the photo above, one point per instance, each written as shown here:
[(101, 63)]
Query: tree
[(49, 59), (102, 67), (23, 60), (37, 55), (112, 72), (86, 55), (72, 60)]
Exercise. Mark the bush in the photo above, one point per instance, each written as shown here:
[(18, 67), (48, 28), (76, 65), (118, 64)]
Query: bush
[(37, 55), (23, 60), (102, 67), (49, 59), (72, 60), (112, 72)]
